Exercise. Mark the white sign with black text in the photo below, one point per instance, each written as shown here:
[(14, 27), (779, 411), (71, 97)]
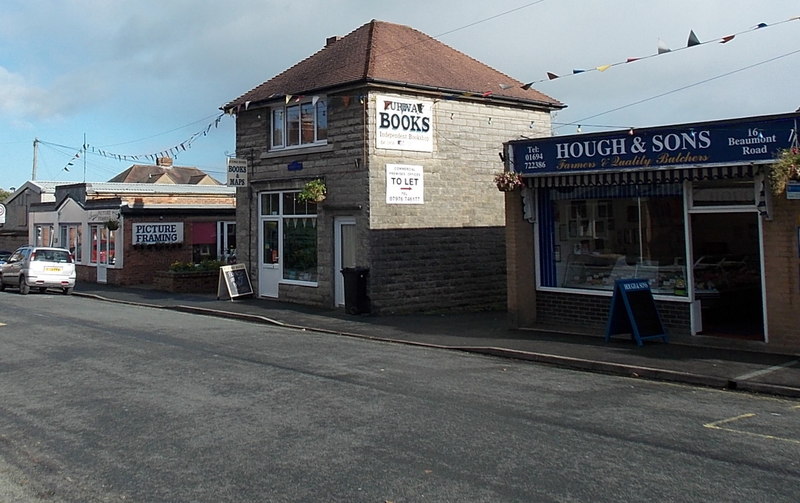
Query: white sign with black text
[(237, 172), (404, 184), (404, 124), (147, 233)]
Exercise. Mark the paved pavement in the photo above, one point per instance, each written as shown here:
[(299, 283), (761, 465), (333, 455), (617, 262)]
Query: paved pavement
[(706, 361)]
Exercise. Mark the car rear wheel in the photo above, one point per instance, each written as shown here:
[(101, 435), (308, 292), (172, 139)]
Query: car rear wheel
[(24, 287), (66, 291)]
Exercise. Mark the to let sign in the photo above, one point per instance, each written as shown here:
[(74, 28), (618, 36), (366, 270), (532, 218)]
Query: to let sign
[(237, 172), (404, 184)]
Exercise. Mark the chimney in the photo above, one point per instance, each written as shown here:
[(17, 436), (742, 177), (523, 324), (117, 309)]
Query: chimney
[(164, 162), (330, 40)]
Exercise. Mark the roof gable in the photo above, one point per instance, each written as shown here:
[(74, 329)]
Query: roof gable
[(148, 173), (381, 52)]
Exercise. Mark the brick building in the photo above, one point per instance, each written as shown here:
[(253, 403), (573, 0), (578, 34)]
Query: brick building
[(123, 232), (687, 207), (405, 132)]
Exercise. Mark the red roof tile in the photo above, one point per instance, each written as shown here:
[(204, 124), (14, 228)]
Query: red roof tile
[(381, 52)]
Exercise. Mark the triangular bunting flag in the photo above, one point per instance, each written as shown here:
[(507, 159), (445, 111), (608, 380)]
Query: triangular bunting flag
[(727, 39), (288, 98), (527, 86), (603, 68), (662, 47), (578, 71), (631, 60), (693, 40), (551, 76), (761, 25)]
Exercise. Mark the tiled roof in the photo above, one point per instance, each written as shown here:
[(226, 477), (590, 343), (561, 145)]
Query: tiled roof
[(381, 52), (148, 173)]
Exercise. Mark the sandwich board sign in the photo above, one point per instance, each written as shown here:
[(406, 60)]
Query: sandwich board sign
[(234, 281), (633, 311)]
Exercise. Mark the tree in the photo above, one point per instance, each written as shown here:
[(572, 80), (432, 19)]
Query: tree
[(4, 194)]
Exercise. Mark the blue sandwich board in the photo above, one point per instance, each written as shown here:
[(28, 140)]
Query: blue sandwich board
[(633, 311)]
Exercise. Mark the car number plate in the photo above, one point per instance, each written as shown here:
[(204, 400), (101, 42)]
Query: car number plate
[(52, 269)]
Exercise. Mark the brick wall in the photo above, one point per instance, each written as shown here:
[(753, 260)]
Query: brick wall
[(589, 313), (782, 273), (437, 269)]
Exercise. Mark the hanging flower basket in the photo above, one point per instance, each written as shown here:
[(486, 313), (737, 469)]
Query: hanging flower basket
[(314, 191), (785, 170), (508, 181), (112, 224)]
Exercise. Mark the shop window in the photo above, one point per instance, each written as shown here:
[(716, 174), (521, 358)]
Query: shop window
[(103, 245), (723, 193), (590, 237), (204, 241), (289, 233), (44, 235), (299, 124), (72, 239)]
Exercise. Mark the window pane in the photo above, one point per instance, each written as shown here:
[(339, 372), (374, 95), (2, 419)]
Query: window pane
[(292, 125), (307, 122), (300, 249), (322, 120), (270, 204), (270, 251), (724, 193), (597, 241), (277, 127)]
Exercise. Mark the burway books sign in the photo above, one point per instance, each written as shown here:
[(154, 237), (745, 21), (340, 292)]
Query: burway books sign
[(404, 124), (755, 139)]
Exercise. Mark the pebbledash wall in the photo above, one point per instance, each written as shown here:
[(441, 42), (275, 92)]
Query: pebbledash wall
[(703, 184), (445, 252)]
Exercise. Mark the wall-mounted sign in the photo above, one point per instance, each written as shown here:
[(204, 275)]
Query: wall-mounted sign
[(754, 139), (2, 213), (404, 124), (295, 166), (237, 172), (404, 184), (157, 233)]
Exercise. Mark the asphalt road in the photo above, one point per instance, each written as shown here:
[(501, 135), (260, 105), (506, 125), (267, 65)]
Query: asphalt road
[(111, 402)]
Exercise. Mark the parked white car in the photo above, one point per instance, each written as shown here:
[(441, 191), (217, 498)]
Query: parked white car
[(38, 267)]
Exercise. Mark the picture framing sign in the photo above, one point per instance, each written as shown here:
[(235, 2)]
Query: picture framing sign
[(234, 281), (404, 184), (151, 233), (237, 172), (633, 311), (404, 124)]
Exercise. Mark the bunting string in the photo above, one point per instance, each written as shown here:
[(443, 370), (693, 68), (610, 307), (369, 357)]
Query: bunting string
[(172, 152), (662, 48)]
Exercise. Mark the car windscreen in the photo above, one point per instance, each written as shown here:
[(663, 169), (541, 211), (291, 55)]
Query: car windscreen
[(60, 256)]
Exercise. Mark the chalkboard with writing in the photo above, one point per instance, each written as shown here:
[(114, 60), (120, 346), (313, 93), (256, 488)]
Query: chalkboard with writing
[(233, 279), (633, 311)]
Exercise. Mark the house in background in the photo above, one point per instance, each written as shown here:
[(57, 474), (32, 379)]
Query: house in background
[(14, 232), (405, 132), (123, 232)]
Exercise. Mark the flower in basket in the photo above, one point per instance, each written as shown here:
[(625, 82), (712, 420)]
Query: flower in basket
[(508, 181), (314, 191), (786, 168)]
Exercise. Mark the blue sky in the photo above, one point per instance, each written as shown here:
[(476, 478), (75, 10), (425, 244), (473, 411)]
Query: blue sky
[(139, 78)]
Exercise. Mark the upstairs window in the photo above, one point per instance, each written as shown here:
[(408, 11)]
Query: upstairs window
[(300, 124)]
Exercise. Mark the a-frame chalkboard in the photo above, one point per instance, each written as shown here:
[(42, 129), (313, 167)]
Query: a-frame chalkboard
[(633, 311), (233, 279)]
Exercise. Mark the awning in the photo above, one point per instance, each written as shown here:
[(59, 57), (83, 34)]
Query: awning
[(639, 177)]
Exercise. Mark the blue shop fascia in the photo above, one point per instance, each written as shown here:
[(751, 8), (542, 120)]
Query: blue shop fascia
[(687, 208)]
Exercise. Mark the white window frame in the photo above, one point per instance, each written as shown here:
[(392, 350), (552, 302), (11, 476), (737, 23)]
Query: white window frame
[(319, 105)]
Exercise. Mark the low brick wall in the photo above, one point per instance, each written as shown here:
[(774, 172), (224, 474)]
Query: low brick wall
[(186, 282)]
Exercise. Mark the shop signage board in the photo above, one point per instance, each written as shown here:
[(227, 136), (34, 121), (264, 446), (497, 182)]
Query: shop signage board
[(237, 172), (755, 139), (404, 124), (234, 281), (404, 184), (633, 311), (148, 233), (2, 214)]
